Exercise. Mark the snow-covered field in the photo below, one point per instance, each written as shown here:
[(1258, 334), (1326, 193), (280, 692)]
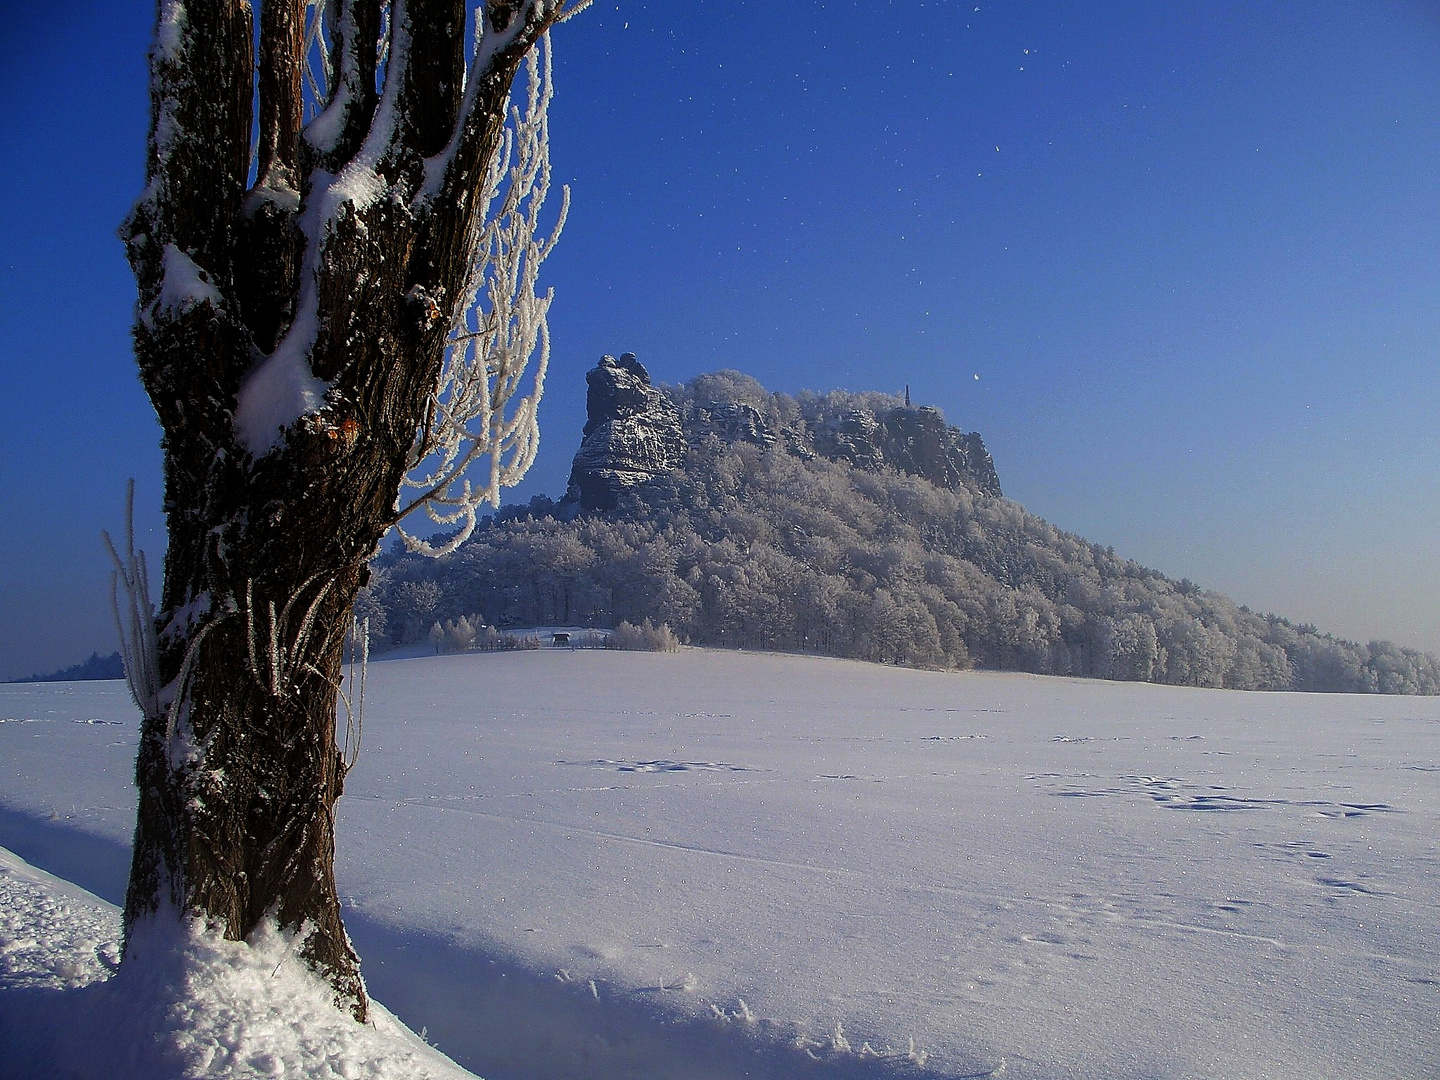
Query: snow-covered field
[(713, 865)]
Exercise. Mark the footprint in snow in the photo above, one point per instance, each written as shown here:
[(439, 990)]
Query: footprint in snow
[(659, 765), (1355, 810), (1342, 885)]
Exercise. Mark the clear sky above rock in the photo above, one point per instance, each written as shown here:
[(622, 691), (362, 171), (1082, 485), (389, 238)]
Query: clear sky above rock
[(1179, 264)]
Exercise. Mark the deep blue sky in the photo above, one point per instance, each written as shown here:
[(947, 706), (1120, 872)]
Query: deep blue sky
[(1192, 251)]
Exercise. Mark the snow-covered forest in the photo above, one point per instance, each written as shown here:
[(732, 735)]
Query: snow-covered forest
[(744, 545)]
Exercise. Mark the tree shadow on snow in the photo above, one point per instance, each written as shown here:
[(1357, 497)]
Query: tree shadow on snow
[(506, 1022)]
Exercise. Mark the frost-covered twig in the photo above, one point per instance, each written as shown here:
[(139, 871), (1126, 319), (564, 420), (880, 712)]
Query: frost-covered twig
[(139, 644), (478, 409), (283, 660), (352, 695), (320, 18), (139, 647)]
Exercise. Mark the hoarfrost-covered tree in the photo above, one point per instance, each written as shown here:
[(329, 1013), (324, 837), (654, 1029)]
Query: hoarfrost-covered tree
[(328, 304)]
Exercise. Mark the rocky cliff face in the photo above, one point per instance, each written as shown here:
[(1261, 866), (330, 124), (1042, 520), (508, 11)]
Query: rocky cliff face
[(910, 440), (728, 421), (918, 441), (634, 432)]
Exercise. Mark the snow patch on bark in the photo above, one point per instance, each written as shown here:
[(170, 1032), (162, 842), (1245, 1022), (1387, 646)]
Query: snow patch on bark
[(170, 29), (323, 132), (183, 620), (183, 285), (276, 393), (168, 53), (280, 195), (358, 185)]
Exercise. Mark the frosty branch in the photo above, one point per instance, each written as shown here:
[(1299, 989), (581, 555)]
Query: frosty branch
[(501, 324)]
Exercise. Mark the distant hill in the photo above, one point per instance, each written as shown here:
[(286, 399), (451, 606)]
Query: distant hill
[(97, 667), (855, 525)]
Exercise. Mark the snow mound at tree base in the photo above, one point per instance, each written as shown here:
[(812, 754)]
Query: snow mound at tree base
[(186, 1004)]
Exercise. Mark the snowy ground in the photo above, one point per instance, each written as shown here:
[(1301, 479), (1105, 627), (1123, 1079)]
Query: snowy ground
[(198, 1006), (712, 865)]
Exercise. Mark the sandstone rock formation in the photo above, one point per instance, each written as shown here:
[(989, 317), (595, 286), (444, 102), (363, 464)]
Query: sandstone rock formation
[(918, 441), (634, 432), (729, 421)]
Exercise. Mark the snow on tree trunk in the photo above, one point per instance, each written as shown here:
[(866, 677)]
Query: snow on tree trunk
[(292, 335)]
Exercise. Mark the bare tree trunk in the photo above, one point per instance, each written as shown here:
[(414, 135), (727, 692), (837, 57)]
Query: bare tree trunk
[(289, 333)]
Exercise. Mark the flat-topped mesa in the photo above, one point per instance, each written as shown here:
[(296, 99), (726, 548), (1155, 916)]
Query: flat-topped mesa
[(632, 434), (635, 431)]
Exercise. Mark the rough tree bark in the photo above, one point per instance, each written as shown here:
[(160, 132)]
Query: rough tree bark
[(289, 333)]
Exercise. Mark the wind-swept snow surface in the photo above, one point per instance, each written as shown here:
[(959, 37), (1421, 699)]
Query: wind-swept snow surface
[(712, 864)]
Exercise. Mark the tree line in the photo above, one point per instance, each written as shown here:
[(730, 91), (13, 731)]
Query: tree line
[(755, 547)]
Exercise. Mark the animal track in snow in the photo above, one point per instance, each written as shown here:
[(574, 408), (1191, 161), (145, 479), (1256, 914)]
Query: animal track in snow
[(1302, 849), (1352, 810), (1176, 793), (1342, 885), (661, 765), (1232, 906)]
